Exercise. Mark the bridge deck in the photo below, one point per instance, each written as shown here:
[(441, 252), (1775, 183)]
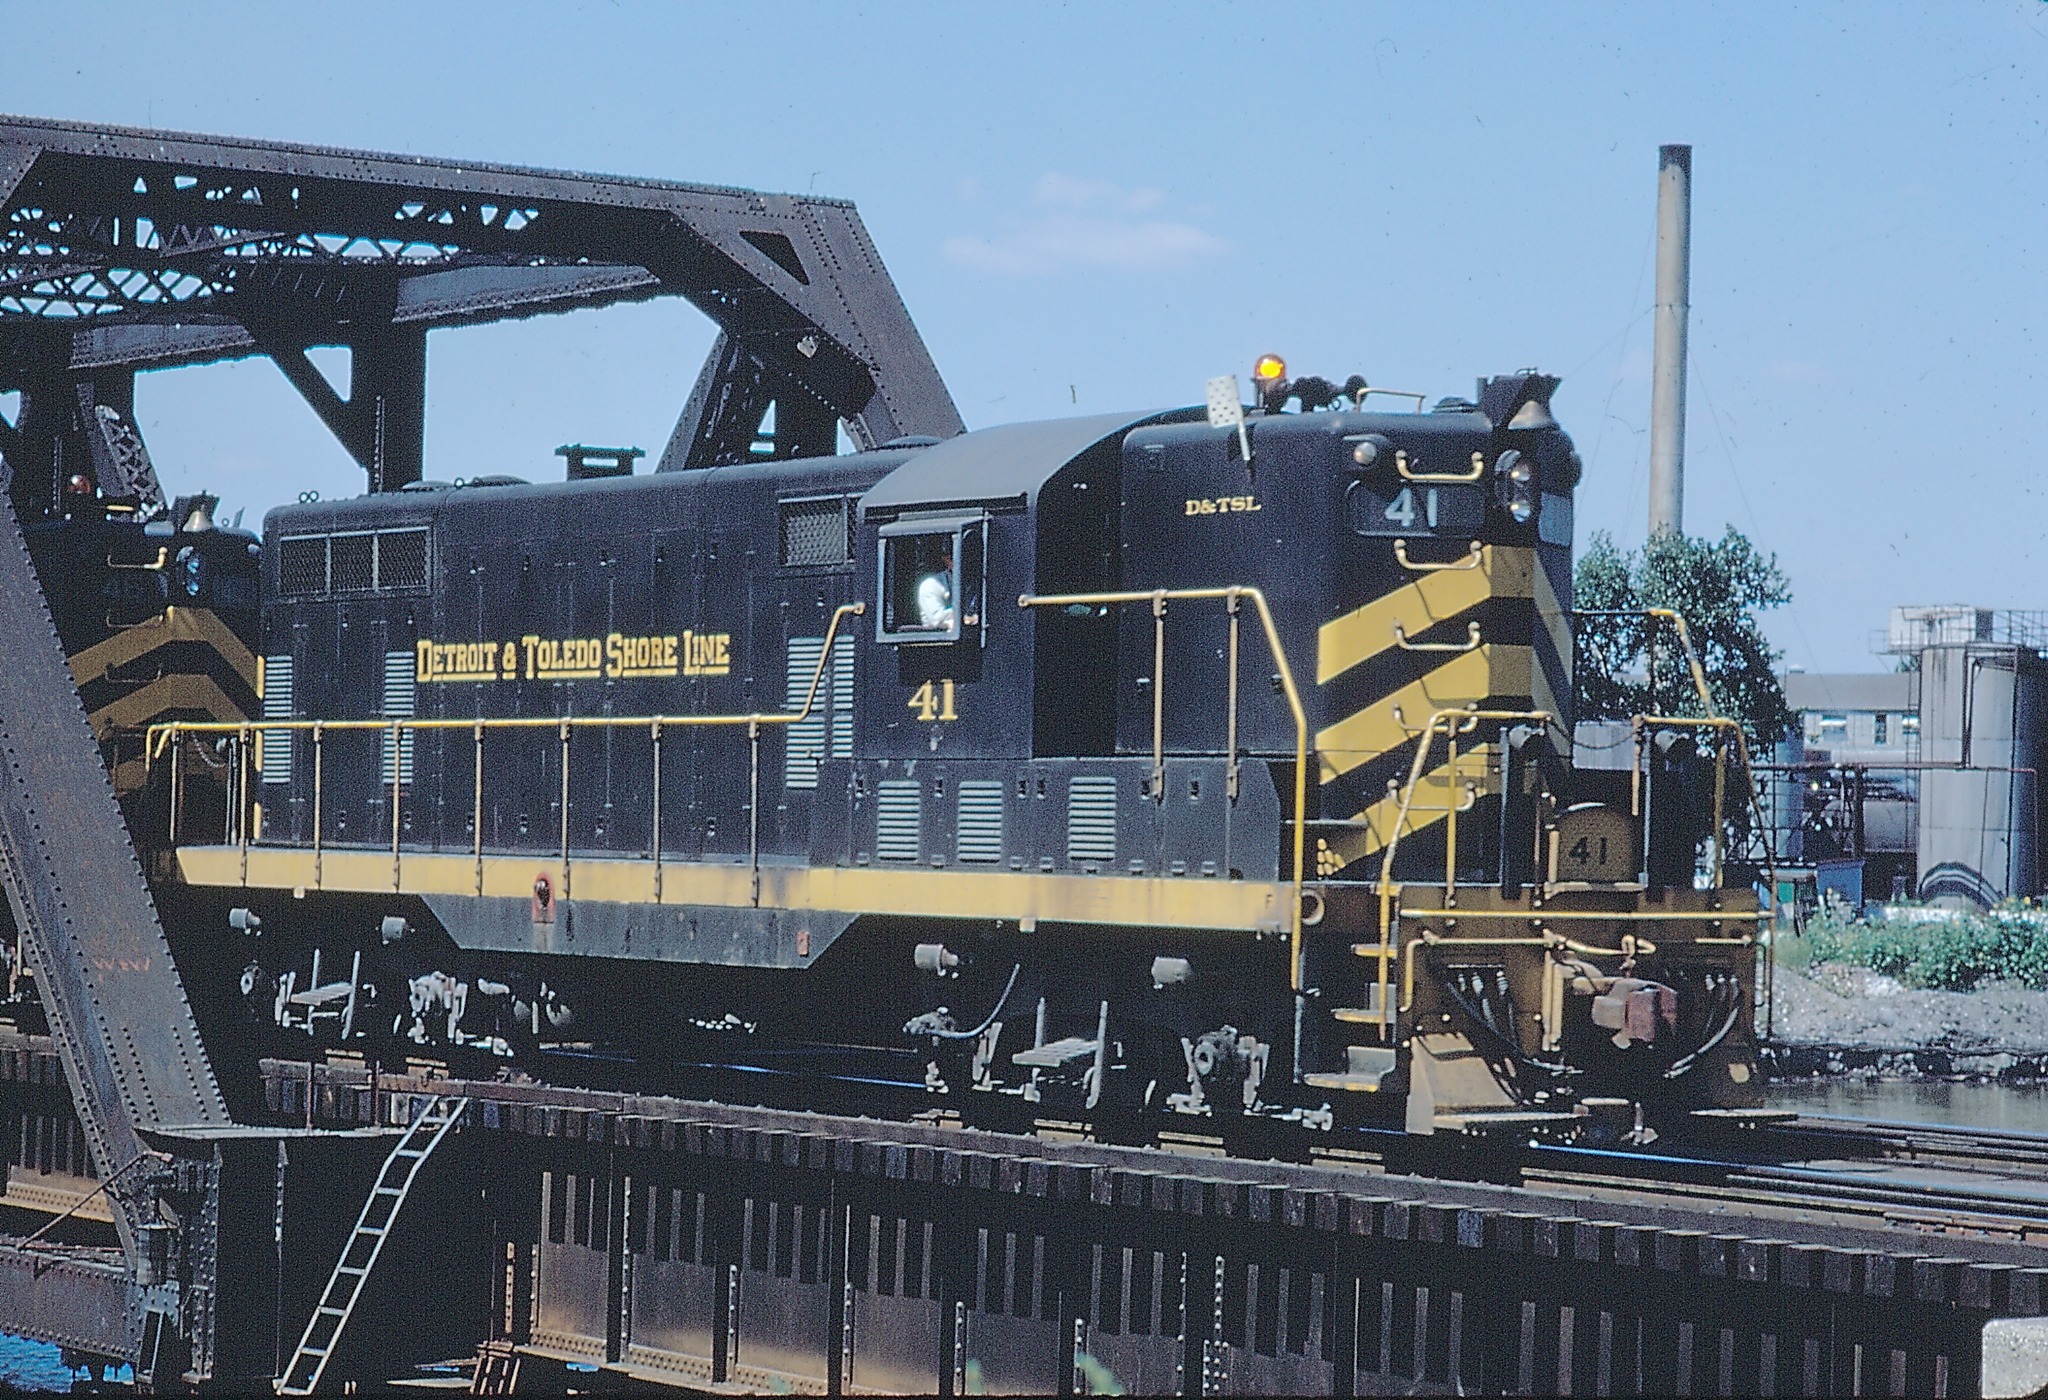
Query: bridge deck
[(702, 1243)]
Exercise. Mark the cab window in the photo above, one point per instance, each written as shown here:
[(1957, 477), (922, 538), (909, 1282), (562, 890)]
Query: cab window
[(932, 581)]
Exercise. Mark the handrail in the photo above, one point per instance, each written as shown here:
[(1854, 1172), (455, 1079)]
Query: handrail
[(1471, 642), (1714, 719), (148, 1154), (1692, 657), (1232, 595), (1454, 478), (1699, 681), (1452, 723), (162, 735), (1468, 720), (1473, 557)]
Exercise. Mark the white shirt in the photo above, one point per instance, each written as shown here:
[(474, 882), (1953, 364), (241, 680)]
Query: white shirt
[(935, 600)]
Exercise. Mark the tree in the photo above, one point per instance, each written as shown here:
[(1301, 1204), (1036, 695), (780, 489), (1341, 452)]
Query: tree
[(1718, 587)]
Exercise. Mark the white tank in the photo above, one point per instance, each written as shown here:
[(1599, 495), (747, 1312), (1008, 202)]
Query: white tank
[(1982, 729)]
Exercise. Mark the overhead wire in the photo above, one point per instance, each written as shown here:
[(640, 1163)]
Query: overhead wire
[(1735, 475), (1638, 310)]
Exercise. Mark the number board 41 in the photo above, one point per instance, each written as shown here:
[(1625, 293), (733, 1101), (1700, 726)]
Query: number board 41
[(1594, 845)]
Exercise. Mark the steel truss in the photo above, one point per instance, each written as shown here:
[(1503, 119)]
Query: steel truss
[(124, 250)]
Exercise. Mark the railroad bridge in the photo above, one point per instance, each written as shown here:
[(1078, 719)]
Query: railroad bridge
[(344, 1222)]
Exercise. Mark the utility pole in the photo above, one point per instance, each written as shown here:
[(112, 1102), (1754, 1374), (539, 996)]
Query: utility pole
[(1667, 386)]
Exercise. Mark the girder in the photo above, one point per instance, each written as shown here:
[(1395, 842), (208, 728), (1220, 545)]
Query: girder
[(125, 249)]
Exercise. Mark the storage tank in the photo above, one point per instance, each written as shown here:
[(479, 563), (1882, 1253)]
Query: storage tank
[(1981, 734)]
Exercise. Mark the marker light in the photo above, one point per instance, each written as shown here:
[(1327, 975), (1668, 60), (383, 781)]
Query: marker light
[(1269, 369)]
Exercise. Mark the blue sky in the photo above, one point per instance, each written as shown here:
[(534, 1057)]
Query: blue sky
[(1092, 207)]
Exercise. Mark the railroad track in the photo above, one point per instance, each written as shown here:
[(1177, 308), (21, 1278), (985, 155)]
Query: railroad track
[(1929, 1179)]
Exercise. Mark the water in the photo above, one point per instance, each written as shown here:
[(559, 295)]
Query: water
[(36, 1368), (2014, 1107)]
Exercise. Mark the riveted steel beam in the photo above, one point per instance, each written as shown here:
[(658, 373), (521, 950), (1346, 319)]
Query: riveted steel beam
[(146, 249)]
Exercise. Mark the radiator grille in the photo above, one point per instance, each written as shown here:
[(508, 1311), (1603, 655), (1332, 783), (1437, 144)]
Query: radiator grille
[(276, 744), (1091, 819), (978, 834), (398, 704), (828, 730), (898, 819), (302, 565), (352, 563), (402, 559), (815, 532), (842, 698)]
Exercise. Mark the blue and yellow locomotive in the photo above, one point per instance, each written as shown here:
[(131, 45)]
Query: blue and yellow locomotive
[(1193, 761)]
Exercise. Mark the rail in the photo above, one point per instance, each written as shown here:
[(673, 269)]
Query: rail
[(1233, 597), (162, 737)]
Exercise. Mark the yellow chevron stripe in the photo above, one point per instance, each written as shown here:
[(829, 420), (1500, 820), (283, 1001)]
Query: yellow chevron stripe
[(180, 692), (1364, 633), (1465, 679), (1437, 790), (174, 625)]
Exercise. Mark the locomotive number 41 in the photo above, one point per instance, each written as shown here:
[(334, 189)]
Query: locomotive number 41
[(1583, 853), (1594, 844), (933, 702), (1403, 509)]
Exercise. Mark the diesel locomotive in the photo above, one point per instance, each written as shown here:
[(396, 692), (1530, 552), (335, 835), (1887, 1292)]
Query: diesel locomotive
[(1207, 761)]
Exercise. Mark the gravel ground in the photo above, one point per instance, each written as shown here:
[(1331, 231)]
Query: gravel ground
[(1854, 1007)]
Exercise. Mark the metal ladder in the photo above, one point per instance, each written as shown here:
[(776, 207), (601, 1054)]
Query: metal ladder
[(359, 1256)]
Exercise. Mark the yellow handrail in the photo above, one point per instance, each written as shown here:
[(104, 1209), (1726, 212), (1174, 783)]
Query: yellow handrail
[(1158, 598), (1478, 470), (1475, 554), (1692, 657), (1468, 720), (1699, 681), (1452, 723), (160, 736)]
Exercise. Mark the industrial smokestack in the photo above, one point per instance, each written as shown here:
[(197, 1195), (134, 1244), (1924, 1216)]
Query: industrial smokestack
[(1667, 387)]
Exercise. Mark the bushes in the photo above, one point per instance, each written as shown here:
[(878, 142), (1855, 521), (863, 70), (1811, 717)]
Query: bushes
[(2009, 944)]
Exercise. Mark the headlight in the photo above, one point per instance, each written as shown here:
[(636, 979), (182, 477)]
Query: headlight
[(192, 571), (1515, 486)]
